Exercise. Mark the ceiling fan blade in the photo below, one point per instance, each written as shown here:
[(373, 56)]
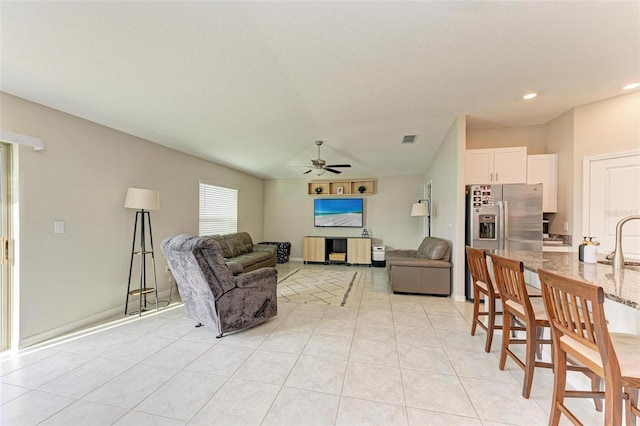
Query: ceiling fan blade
[(332, 171), (308, 171), (338, 165)]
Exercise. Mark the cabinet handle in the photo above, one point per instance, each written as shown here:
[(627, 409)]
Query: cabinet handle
[(496, 176), (5, 250), (491, 177)]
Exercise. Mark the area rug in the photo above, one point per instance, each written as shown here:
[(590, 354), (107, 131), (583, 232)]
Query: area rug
[(317, 286)]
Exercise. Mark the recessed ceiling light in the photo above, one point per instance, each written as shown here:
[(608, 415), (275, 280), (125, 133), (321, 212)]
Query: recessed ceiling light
[(631, 86), (530, 96)]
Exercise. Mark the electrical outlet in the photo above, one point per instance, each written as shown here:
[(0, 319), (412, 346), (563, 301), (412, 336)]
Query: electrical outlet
[(565, 226)]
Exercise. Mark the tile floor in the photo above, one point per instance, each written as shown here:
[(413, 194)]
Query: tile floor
[(387, 360)]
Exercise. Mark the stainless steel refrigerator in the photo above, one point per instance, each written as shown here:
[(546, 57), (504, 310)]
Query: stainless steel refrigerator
[(503, 217)]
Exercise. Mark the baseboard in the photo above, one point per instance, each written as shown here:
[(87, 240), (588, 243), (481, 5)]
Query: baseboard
[(459, 298), (296, 259), (80, 324)]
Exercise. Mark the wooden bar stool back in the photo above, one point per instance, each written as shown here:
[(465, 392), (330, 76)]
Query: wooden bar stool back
[(529, 315), (579, 329), (482, 285)]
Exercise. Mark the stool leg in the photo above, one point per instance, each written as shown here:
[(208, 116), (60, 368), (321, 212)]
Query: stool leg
[(506, 328), (476, 308), (530, 360), (491, 323), (559, 385)]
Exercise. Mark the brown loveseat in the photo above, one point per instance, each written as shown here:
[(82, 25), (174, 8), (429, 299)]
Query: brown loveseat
[(426, 270), (239, 248)]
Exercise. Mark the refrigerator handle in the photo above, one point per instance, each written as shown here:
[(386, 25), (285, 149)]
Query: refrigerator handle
[(505, 211), (500, 225)]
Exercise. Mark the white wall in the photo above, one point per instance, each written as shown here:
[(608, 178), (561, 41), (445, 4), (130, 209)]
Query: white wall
[(446, 173), (288, 213), (81, 178)]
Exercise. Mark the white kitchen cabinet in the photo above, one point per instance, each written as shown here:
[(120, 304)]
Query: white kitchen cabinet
[(543, 168), (496, 165)]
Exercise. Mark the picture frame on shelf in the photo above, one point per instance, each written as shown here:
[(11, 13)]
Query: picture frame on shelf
[(340, 190)]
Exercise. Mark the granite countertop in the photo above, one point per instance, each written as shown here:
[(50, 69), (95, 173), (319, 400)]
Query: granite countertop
[(622, 286)]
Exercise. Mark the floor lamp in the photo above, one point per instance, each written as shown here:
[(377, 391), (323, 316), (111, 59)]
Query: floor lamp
[(142, 200), (421, 209)]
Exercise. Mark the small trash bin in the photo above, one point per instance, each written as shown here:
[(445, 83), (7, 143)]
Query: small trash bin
[(378, 256)]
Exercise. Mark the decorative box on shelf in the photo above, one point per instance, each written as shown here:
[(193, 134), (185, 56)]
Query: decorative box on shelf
[(337, 257)]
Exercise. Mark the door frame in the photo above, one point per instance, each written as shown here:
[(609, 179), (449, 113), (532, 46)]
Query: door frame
[(8, 229), (428, 192)]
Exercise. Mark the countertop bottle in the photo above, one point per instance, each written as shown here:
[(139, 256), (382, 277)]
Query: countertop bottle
[(590, 251), (581, 249)]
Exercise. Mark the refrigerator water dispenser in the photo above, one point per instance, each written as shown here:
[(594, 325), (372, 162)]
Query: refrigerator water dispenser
[(487, 228)]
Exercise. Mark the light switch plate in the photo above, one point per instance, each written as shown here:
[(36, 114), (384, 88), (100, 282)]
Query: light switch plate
[(58, 227)]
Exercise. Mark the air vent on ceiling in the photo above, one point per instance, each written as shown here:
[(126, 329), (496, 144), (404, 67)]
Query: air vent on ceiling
[(409, 139)]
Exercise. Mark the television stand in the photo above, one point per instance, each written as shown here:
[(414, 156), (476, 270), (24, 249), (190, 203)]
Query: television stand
[(349, 250)]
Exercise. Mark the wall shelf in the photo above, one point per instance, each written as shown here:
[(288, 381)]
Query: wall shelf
[(341, 187)]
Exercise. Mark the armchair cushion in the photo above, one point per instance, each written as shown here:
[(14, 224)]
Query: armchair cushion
[(235, 268), (432, 248)]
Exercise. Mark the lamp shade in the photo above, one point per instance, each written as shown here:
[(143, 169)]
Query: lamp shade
[(142, 199), (419, 209)]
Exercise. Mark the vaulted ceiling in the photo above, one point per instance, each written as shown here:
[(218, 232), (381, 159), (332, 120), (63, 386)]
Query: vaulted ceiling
[(253, 85)]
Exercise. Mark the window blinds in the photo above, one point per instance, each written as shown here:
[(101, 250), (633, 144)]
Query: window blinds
[(218, 210)]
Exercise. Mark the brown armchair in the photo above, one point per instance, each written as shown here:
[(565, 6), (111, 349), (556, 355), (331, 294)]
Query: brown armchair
[(426, 270), (216, 293)]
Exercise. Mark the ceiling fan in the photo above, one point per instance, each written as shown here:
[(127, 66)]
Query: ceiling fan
[(320, 166)]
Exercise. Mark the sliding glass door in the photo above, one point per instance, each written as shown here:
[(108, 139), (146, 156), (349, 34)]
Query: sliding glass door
[(5, 287)]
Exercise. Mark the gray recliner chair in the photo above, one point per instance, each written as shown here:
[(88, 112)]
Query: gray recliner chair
[(216, 293), (426, 270)]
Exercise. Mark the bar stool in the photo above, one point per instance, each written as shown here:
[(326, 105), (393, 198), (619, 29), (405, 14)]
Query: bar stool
[(528, 312), (482, 284), (579, 329)]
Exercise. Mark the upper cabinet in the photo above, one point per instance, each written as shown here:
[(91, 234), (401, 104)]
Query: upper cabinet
[(496, 166), (543, 169)]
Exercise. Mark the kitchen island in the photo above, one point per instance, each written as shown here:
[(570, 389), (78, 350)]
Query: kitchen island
[(621, 288)]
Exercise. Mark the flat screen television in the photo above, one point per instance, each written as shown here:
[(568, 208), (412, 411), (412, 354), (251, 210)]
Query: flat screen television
[(338, 212)]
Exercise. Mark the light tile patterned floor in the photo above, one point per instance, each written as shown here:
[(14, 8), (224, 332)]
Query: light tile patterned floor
[(387, 360)]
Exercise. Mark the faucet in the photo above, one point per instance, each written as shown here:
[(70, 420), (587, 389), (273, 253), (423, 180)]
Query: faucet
[(618, 257)]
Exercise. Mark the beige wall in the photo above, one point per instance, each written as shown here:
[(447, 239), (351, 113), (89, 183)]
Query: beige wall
[(446, 174), (560, 141), (533, 137), (605, 127), (288, 213), (81, 178)]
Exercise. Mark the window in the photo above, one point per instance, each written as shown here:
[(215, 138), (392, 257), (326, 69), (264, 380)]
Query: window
[(218, 210)]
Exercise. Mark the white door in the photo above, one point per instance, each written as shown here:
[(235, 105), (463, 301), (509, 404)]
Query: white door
[(613, 192)]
